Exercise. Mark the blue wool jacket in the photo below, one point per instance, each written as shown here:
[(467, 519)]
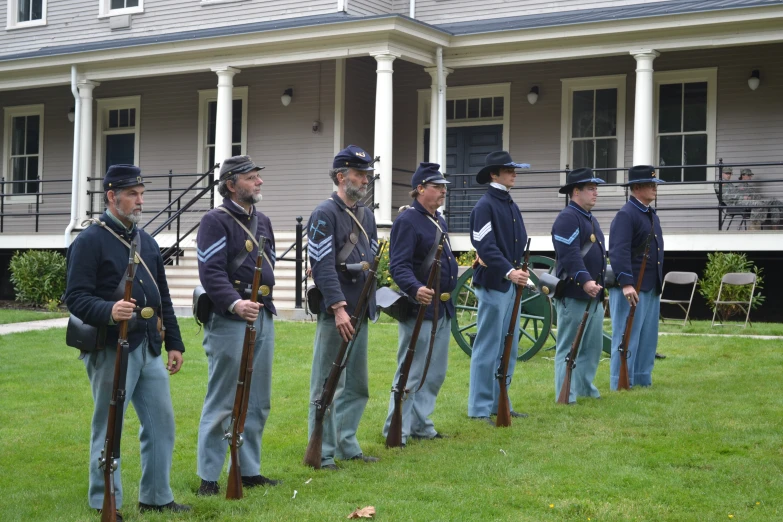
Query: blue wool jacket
[(219, 241), (412, 236), (572, 230), (96, 263), (498, 235), (628, 232), (328, 230)]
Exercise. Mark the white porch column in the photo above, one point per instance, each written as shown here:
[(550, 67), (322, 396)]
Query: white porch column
[(85, 147), (643, 107), (437, 118), (384, 127), (225, 97)]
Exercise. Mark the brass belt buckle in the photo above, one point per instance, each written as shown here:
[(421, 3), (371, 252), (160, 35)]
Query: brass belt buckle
[(147, 312), (264, 290), (445, 296)]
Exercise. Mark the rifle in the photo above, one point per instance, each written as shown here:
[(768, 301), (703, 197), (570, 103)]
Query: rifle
[(312, 455), (504, 410), (623, 382), (394, 437), (570, 361), (242, 397), (110, 453), (434, 329)]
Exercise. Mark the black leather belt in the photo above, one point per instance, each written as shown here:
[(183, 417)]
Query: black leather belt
[(245, 288)]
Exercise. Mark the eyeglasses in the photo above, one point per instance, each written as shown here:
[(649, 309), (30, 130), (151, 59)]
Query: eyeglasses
[(252, 177)]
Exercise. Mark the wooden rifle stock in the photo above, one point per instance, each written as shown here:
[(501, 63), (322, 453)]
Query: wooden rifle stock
[(312, 455), (394, 437), (504, 409), (623, 382), (111, 448), (565, 389), (242, 396)]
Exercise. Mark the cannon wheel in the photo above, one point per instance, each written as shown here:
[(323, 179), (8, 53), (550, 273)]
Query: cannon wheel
[(535, 322), (537, 315)]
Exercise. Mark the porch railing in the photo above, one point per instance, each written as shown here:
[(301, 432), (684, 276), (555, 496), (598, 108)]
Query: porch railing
[(16, 194), (685, 206)]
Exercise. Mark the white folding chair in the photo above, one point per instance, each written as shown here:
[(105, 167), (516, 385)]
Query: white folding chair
[(735, 279), (679, 278)]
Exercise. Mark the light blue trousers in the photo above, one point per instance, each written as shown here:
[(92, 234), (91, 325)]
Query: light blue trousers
[(147, 387), (419, 405), (569, 315), (494, 315), (223, 340), (341, 421), (644, 336)]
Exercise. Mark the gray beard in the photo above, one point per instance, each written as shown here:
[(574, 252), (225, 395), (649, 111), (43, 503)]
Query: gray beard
[(355, 192), (133, 218), (248, 198)]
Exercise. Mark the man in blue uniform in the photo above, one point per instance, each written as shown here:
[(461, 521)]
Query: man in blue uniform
[(414, 240), (628, 235), (581, 263), (498, 235), (342, 242), (227, 251), (97, 262)]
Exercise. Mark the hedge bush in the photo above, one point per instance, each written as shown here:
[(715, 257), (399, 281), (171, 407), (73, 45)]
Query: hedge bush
[(38, 277), (721, 263)]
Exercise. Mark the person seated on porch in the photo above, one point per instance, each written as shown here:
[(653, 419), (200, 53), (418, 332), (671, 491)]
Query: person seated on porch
[(765, 213), (727, 192)]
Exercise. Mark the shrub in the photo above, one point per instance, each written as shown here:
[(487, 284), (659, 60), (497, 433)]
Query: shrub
[(383, 275), (38, 277), (721, 263), (466, 258)]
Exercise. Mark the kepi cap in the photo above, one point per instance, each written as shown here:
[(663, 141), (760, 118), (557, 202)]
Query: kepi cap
[(122, 176), (427, 173), (237, 165), (353, 157)]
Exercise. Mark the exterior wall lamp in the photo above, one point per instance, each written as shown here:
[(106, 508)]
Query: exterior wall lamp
[(754, 81), (532, 96), (285, 99), (71, 114)]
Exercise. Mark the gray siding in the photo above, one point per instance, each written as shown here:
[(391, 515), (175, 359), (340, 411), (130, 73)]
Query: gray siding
[(279, 137), (448, 11), (369, 7), (76, 21), (748, 127)]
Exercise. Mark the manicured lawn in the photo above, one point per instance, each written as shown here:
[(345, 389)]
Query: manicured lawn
[(703, 444), (704, 327), (8, 316)]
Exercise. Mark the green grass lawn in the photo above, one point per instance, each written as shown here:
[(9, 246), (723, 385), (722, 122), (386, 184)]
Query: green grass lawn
[(8, 315), (703, 444), (704, 327)]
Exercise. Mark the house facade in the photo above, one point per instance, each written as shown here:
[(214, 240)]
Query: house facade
[(176, 85)]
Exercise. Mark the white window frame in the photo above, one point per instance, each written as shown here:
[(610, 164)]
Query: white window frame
[(569, 85), (8, 114), (105, 10), (13, 15), (490, 90), (709, 75), (210, 95), (104, 106)]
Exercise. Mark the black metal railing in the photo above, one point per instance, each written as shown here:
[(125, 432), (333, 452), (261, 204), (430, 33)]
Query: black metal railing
[(16, 193), (301, 262), (690, 206)]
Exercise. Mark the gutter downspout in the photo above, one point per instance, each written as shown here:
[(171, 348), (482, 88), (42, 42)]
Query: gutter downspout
[(441, 110), (412, 12), (75, 169)]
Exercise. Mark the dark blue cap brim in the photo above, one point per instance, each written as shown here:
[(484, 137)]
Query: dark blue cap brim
[(651, 180)]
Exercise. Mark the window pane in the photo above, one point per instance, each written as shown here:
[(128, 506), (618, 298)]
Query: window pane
[(582, 114), (486, 107), (473, 108), (606, 112), (450, 109), (461, 109), (132, 117), (37, 6), (606, 158), (583, 154), (211, 119), (210, 157), (32, 173), (23, 8), (236, 150), (120, 149), (671, 154), (17, 135), (695, 110), (131, 3), (236, 122), (695, 154), (114, 119), (123, 117), (498, 107), (117, 4), (33, 128), (670, 108)]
